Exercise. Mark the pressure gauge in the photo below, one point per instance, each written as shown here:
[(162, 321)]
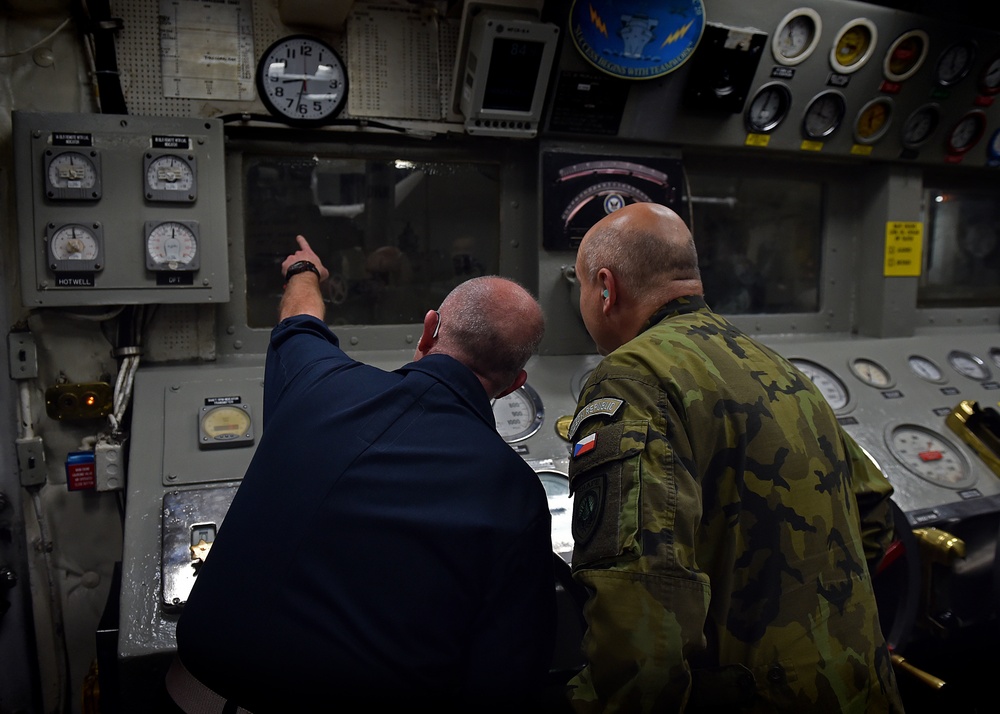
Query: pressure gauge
[(73, 175), (966, 133), (797, 36), (929, 455), (995, 356), (768, 108), (829, 385), (519, 414), (75, 247), (225, 424), (871, 373), (172, 245), (955, 62), (919, 126), (905, 55), (853, 46), (170, 177), (824, 114), (302, 80), (925, 369), (989, 80), (993, 148), (557, 493), (873, 120), (969, 365)]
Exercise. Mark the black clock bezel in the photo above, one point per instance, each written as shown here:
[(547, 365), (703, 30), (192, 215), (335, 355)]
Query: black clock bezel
[(274, 110)]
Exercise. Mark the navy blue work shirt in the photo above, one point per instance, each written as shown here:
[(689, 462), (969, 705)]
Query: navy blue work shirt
[(385, 541)]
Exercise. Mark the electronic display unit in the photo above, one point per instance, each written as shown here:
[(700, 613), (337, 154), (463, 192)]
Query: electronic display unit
[(506, 74)]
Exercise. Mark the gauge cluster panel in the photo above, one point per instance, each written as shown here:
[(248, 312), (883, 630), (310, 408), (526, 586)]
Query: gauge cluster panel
[(116, 210)]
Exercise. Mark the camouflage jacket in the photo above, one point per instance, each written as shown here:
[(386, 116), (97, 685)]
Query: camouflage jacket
[(724, 524)]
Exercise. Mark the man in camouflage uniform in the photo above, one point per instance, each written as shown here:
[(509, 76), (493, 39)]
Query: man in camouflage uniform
[(725, 525)]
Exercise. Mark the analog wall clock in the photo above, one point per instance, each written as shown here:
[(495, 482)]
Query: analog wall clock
[(302, 80)]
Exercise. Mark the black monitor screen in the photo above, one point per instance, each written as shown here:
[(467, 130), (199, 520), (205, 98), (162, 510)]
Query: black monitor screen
[(510, 84)]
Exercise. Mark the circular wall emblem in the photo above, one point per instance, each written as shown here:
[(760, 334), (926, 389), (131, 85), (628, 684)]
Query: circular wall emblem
[(637, 40)]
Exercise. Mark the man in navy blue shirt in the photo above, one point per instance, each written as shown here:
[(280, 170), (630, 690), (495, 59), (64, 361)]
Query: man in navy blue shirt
[(386, 545)]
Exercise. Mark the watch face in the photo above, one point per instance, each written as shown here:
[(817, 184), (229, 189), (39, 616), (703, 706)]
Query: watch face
[(302, 80)]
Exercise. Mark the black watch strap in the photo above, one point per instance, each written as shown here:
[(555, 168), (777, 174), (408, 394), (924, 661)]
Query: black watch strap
[(301, 266)]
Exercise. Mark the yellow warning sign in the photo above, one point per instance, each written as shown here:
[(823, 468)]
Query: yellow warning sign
[(904, 248)]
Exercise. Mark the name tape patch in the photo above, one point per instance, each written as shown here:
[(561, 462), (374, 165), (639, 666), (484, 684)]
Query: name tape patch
[(606, 406)]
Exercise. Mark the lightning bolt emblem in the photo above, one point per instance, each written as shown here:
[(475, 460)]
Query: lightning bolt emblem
[(674, 36), (598, 22)]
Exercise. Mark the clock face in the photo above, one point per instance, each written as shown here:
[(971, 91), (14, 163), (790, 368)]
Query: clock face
[(302, 80)]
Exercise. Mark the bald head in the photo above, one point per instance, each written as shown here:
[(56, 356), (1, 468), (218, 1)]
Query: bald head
[(493, 326), (649, 249)]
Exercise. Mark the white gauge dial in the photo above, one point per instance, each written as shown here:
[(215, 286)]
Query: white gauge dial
[(172, 245), (74, 242), (832, 389), (519, 414), (797, 36), (989, 81), (170, 177), (919, 126), (995, 356), (925, 369), (768, 108), (955, 62), (930, 456), (75, 247), (560, 508), (72, 175), (967, 132), (871, 373), (823, 115), (968, 365)]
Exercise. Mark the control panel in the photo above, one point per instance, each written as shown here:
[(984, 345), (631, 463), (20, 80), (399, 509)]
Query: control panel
[(120, 209)]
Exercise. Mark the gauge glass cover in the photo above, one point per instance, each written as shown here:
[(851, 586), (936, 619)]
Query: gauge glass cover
[(170, 177), (768, 108), (905, 56), (995, 356), (919, 126), (519, 414), (853, 46), (557, 493), (925, 369), (968, 365), (955, 62), (967, 132), (796, 36), (873, 120), (989, 80), (930, 455), (871, 373), (829, 385), (172, 245), (73, 175), (823, 115), (302, 80), (225, 425), (75, 247)]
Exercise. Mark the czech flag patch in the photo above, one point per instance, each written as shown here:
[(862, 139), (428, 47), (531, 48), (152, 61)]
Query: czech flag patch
[(584, 445)]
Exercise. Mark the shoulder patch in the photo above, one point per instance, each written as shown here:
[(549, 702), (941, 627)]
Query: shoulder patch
[(588, 507), (607, 406)]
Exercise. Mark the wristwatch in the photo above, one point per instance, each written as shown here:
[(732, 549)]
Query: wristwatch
[(301, 266)]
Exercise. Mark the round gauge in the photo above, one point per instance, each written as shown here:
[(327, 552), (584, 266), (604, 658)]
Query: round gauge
[(919, 126), (873, 120), (75, 247), (172, 245), (519, 414), (966, 133), (995, 356), (824, 114), (989, 80), (225, 423), (853, 46), (768, 108), (925, 369), (993, 148), (562, 426), (829, 385), (170, 177), (871, 373), (955, 62), (905, 55), (796, 36), (968, 365), (929, 455), (302, 80), (979, 240), (556, 487), (72, 175)]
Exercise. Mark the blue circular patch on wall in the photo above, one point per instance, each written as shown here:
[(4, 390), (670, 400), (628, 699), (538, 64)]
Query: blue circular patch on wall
[(637, 40)]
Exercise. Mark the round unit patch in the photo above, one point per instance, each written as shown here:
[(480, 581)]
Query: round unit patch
[(637, 40)]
